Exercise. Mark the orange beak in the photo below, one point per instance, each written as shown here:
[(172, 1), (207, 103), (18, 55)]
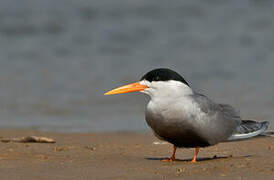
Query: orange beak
[(127, 88)]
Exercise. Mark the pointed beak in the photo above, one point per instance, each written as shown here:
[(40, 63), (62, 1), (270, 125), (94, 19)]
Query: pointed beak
[(127, 88)]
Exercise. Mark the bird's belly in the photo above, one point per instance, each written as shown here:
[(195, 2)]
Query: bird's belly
[(176, 131), (187, 126)]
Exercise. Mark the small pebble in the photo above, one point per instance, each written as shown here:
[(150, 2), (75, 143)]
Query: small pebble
[(41, 156), (58, 149), (180, 170), (90, 148), (204, 169), (271, 147)]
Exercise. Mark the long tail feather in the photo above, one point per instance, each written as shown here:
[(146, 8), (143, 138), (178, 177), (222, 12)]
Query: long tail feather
[(248, 129)]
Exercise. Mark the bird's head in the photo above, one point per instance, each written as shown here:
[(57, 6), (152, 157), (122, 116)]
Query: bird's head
[(157, 83)]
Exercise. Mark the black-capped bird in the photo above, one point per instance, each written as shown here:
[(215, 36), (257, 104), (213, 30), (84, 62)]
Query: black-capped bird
[(187, 119)]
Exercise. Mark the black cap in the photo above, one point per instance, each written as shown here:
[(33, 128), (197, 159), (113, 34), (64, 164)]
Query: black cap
[(163, 74)]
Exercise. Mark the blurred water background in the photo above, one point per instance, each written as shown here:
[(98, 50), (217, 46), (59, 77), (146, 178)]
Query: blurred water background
[(57, 58)]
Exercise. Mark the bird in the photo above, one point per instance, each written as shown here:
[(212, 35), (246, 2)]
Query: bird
[(187, 119)]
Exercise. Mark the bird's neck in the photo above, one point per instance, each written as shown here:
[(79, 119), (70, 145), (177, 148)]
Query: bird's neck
[(172, 92)]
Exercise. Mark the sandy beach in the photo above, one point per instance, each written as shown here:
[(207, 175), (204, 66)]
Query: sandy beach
[(128, 155)]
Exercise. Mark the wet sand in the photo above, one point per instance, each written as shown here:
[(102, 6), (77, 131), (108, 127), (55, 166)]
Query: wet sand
[(127, 155)]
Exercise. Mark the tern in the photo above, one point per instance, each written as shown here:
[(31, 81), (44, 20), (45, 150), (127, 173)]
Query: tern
[(187, 119)]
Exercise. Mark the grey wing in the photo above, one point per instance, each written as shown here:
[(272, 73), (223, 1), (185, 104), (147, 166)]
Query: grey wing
[(211, 108), (205, 104), (222, 119), (242, 129), (230, 113)]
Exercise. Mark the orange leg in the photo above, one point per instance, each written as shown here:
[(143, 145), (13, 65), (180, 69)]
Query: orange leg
[(196, 154), (172, 158)]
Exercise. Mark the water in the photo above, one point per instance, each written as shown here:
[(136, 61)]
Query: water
[(57, 58)]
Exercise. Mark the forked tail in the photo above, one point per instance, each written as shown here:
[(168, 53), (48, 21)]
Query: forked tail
[(248, 129)]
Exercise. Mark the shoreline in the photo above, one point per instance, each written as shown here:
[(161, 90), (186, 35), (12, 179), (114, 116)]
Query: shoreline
[(129, 155)]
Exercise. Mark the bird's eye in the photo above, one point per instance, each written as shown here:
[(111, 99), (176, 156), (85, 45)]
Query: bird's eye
[(157, 78)]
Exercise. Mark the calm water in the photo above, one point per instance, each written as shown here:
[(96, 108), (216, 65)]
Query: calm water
[(57, 58)]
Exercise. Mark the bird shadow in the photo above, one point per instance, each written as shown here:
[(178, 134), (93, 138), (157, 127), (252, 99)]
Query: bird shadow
[(198, 159)]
